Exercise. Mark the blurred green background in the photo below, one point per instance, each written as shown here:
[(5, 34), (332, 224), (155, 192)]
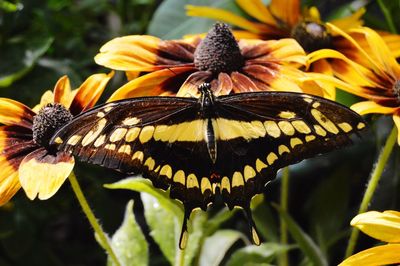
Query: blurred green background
[(42, 40)]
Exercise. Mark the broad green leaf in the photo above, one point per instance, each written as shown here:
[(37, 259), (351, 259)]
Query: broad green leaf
[(129, 243), (266, 222), (10, 7), (170, 20), (140, 184), (215, 247), (17, 60), (306, 244), (257, 255), (166, 233)]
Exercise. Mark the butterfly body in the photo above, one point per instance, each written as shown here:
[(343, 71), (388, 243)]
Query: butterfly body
[(199, 148)]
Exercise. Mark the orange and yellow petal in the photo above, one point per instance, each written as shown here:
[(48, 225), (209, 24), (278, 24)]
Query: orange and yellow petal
[(42, 174), (257, 10), (9, 184), (47, 97), (371, 107), (392, 41), (328, 90), (384, 226), (231, 18), (312, 14), (382, 255), (349, 22), (129, 53), (89, 92), (62, 91), (163, 82), (15, 113), (190, 88), (287, 11)]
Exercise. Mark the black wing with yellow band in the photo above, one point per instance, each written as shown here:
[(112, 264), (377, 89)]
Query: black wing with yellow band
[(229, 145)]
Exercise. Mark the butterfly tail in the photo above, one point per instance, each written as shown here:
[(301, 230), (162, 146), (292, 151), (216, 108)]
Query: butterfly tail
[(252, 226), (184, 232)]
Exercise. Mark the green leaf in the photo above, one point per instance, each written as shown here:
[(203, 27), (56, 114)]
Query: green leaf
[(128, 242), (170, 20), (140, 184), (10, 7), (14, 64), (257, 255), (266, 222), (215, 246), (306, 244)]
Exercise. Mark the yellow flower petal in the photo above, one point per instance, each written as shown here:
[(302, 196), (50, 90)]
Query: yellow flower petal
[(381, 255), (258, 10), (9, 183), (370, 107), (352, 21), (228, 17), (47, 97), (313, 14), (384, 226), (13, 112), (42, 174), (287, 11), (62, 91), (328, 90), (89, 92), (396, 120)]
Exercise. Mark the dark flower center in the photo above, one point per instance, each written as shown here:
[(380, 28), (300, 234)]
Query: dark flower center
[(312, 36), (218, 51), (396, 90), (49, 119)]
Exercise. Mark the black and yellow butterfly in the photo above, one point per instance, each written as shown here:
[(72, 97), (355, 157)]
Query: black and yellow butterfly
[(199, 148)]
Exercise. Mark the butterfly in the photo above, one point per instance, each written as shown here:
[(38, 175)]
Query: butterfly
[(199, 148)]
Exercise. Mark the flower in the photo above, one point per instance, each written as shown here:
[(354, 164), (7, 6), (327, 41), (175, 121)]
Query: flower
[(383, 226), (178, 67), (26, 158), (284, 19), (377, 79)]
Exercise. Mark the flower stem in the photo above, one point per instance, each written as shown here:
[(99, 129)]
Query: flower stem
[(283, 259), (92, 219), (388, 16), (372, 185)]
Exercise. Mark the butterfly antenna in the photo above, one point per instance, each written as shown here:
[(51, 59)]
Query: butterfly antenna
[(252, 226), (184, 232)]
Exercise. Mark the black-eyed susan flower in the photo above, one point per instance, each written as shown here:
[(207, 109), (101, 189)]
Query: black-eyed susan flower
[(285, 19), (26, 158), (377, 80), (178, 67), (384, 226)]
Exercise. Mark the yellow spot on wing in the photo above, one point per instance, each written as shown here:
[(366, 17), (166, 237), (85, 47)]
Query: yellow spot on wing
[(95, 132), (146, 134), (74, 140), (272, 129), (100, 141), (282, 149), (138, 156), (125, 149), (286, 127), (230, 129), (324, 121), (301, 127), (205, 184), (287, 114), (346, 127), (118, 134), (295, 141), (58, 140), (249, 172), (237, 179), (360, 125), (192, 182), (271, 158), (310, 138), (179, 177), (150, 163), (164, 132), (166, 170), (110, 147), (132, 134), (188, 131), (100, 114), (319, 130), (260, 165), (130, 121), (225, 184), (316, 105)]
